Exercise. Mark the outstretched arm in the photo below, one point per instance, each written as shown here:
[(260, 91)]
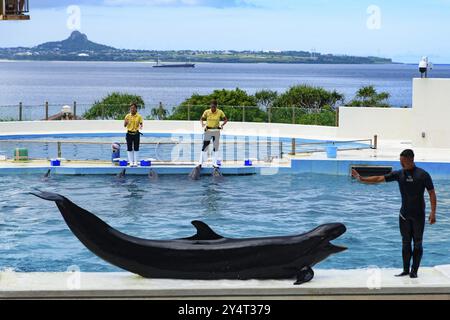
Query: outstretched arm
[(433, 200), (369, 180)]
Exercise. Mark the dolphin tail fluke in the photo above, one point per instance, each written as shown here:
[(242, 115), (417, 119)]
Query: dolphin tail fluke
[(50, 196)]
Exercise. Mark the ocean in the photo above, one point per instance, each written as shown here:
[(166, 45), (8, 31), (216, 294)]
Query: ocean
[(60, 83)]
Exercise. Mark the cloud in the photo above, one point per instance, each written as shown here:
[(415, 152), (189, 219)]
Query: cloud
[(154, 3)]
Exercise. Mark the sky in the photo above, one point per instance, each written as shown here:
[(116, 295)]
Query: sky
[(404, 30)]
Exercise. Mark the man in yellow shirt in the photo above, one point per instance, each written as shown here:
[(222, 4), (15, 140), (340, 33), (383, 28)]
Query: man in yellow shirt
[(133, 122), (212, 131)]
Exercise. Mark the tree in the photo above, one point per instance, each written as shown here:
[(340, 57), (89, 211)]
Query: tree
[(159, 113), (369, 97), (309, 97), (305, 104), (114, 106), (233, 103), (265, 99)]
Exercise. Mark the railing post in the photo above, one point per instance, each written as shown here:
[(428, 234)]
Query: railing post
[(59, 149), (189, 111), (20, 111), (192, 138), (257, 148), (269, 113), (269, 146), (293, 147), (46, 110), (75, 110), (224, 149), (235, 151), (243, 114), (375, 141), (281, 149)]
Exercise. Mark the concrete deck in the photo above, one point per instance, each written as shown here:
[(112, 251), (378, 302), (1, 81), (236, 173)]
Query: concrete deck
[(435, 161), (433, 283)]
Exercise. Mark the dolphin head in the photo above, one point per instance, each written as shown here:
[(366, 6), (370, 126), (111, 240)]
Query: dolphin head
[(318, 245), (329, 232)]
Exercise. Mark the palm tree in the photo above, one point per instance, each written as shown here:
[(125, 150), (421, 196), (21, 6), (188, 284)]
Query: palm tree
[(369, 97), (159, 113)]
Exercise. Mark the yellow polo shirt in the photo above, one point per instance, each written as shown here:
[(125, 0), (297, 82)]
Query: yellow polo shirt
[(213, 119), (133, 122)]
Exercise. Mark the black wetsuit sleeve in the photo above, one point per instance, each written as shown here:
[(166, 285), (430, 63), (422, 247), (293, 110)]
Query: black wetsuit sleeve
[(428, 182), (393, 176)]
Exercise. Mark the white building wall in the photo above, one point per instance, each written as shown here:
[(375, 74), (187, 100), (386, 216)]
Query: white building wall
[(387, 123), (176, 127), (431, 113)]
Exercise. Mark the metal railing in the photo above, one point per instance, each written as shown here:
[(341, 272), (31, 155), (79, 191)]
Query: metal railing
[(289, 114), (165, 150), (232, 148), (344, 145)]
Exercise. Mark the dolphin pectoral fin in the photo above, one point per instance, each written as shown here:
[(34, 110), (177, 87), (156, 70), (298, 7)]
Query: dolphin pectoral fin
[(204, 232), (304, 275), (48, 196)]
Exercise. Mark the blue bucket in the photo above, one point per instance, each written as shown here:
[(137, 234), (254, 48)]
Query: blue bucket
[(248, 163), (332, 152), (55, 162), (146, 163), (123, 163)]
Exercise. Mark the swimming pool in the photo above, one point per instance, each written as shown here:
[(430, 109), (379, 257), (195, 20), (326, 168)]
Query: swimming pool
[(165, 147), (35, 237)]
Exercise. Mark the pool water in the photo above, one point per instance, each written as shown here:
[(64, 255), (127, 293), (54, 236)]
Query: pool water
[(35, 237)]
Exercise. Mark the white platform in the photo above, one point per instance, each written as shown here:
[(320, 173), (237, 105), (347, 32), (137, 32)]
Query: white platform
[(433, 283)]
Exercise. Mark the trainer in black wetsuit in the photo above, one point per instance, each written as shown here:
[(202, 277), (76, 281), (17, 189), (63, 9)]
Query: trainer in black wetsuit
[(412, 182)]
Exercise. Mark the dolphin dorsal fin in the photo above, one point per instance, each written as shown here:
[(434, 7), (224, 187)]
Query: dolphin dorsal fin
[(204, 232)]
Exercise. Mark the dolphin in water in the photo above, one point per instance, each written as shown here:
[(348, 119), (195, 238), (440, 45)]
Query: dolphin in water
[(195, 173), (122, 173), (47, 174), (153, 175), (205, 255), (217, 175)]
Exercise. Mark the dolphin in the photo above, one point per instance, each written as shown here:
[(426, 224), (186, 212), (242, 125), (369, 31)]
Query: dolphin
[(216, 174), (47, 174), (122, 173), (152, 175), (205, 255), (195, 173)]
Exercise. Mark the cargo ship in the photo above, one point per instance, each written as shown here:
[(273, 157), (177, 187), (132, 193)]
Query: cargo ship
[(174, 65)]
